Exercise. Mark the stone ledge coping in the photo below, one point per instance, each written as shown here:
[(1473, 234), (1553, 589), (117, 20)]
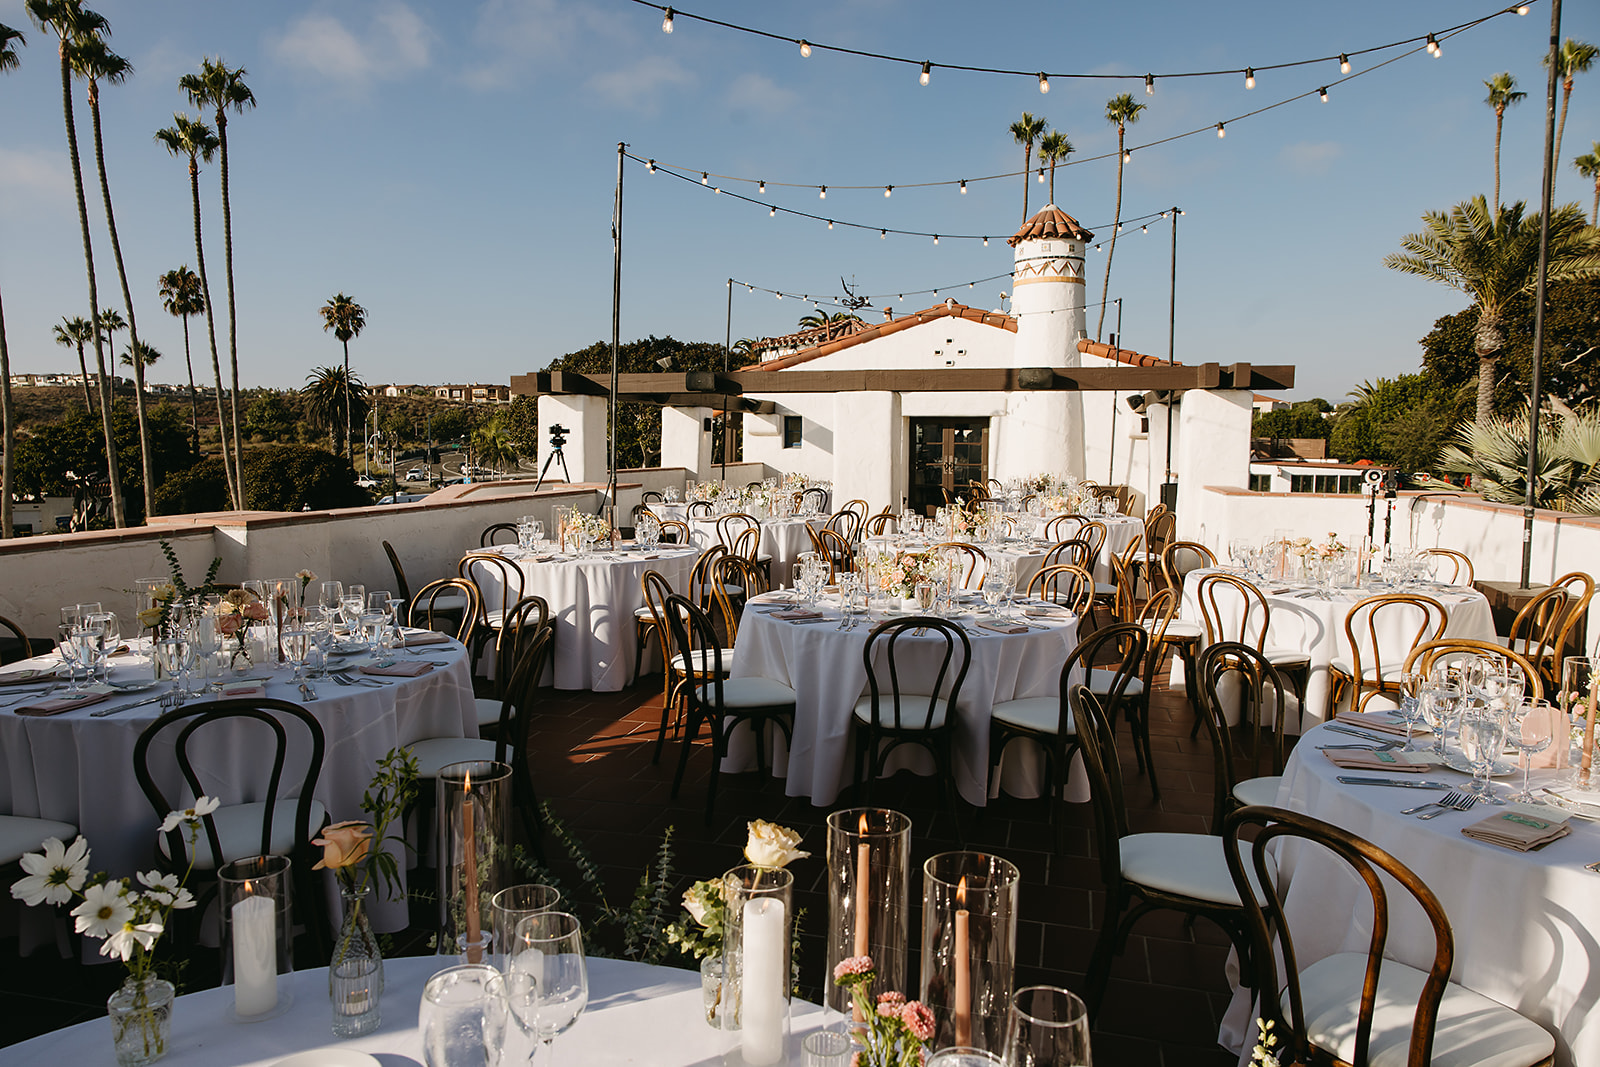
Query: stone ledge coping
[(1461, 498)]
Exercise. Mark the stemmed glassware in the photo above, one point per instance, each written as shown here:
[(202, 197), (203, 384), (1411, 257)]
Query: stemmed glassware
[(1410, 705), (297, 646), (1046, 1027), (545, 984), (1439, 700), (1483, 736), (1532, 731), (68, 650)]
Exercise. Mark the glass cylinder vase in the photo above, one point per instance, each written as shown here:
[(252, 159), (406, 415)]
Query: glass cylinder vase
[(758, 933), (969, 946), (869, 857), (1580, 677), (257, 934), (474, 801), (141, 1020), (355, 973)]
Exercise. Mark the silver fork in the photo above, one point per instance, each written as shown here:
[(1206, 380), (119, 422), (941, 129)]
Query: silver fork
[(1462, 802), (35, 695), (1443, 802)]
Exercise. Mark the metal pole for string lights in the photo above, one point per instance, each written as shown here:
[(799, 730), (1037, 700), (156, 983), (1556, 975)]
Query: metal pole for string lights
[(1539, 292), (1172, 331), (727, 349), (1111, 461), (616, 330)]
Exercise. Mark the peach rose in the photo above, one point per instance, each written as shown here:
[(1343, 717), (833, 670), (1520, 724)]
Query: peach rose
[(344, 844)]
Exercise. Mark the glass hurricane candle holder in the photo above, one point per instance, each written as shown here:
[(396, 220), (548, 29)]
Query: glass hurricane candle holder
[(1579, 676), (474, 800), (869, 855), (257, 934), (758, 936), (969, 946)]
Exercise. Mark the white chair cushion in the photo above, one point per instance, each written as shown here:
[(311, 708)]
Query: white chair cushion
[(1105, 589), (749, 693), (1258, 791), (913, 711), (239, 831), (1287, 657), (1190, 865), (1525, 648), (1472, 1029), (488, 710), (1099, 683), (19, 834), (1177, 629), (434, 753), (450, 602), (1041, 715), (704, 660)]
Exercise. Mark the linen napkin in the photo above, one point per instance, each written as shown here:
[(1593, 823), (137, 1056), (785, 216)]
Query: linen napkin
[(1382, 722), (409, 669), (26, 677), (1517, 829), (795, 614), (57, 705), (242, 690), (1046, 611), (1352, 760), (1004, 627), (425, 637)]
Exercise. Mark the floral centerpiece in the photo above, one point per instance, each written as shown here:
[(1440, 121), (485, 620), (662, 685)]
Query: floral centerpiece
[(239, 611), (130, 921), (698, 933), (905, 571), (160, 598), (894, 1029), (596, 528)]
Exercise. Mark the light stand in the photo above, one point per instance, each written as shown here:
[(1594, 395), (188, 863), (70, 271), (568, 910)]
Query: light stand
[(558, 439)]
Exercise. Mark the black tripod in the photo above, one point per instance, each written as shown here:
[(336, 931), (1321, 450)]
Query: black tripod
[(555, 454)]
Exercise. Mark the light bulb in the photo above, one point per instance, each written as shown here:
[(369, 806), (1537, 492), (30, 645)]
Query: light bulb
[(935, 238), (1041, 175), (772, 212), (1221, 130), (969, 285), (830, 224), (1249, 77), (1323, 92), (1433, 45), (718, 190), (902, 296), (703, 178), (761, 186), (779, 296), (963, 187), (986, 242), (1149, 85), (1127, 155), (1344, 63), (822, 192), (888, 191), (1522, 9), (927, 71), (1144, 229), (666, 21), (805, 49), (882, 234), (1044, 83), (652, 165), (751, 288)]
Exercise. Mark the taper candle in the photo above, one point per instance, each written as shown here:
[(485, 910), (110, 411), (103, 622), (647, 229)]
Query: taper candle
[(469, 846)]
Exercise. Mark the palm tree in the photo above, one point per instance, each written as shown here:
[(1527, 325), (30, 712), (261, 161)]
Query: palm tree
[(71, 22), (1589, 167), (1493, 257), (111, 324), (220, 88), (346, 319), (1121, 111), (1574, 57), (75, 333), (328, 391), (1025, 132), (181, 296), (147, 356), (493, 445), (9, 39), (1053, 149), (95, 62), (1502, 94), (193, 139)]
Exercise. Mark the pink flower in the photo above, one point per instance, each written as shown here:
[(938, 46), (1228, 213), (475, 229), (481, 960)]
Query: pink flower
[(853, 965), (229, 624), (889, 1004), (255, 610), (918, 1019)]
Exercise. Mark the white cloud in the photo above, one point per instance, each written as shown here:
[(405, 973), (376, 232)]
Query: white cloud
[(641, 86), (394, 43), (31, 178), (514, 37), (761, 95), (1310, 157)]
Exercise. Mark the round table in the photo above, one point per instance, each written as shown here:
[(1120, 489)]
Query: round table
[(823, 665), (592, 600), (636, 1014), (1302, 619), (1120, 533), (1526, 924), (77, 767), (782, 539)]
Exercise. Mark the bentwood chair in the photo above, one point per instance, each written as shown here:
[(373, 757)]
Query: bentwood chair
[(719, 702), (846, 523), (699, 509), (17, 646), (1048, 721), (1236, 610), (884, 522), (501, 533), (734, 580), (1075, 551), (833, 547), (651, 496), (401, 585), (1416, 619), (814, 498), (677, 661), (1172, 635), (1461, 571), (1546, 624), (1146, 872), (1064, 584), (1453, 649), (974, 561), (449, 605), (907, 709), (526, 619), (1362, 1008), (1181, 557), (1235, 674), (674, 532), (489, 569), (1063, 527), (280, 824)]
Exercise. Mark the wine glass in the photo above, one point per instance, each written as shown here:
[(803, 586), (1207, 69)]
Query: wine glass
[(994, 591), (1532, 731), (1046, 1027), (545, 984), (1483, 736), (1410, 709), (329, 599), (296, 646), (1439, 700), (461, 1018), (68, 651), (354, 599)]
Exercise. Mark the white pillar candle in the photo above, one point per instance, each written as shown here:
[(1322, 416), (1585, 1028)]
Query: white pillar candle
[(761, 1015), (255, 956)]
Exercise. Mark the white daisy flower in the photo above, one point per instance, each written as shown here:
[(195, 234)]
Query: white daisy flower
[(164, 890), (55, 875), (202, 807), (121, 943), (104, 910)]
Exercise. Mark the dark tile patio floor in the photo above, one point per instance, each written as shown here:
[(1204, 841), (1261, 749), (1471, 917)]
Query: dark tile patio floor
[(591, 762)]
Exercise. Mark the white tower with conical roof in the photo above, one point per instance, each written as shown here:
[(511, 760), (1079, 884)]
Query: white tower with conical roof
[(1045, 435)]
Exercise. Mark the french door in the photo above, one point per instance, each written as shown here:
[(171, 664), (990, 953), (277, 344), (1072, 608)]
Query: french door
[(947, 455)]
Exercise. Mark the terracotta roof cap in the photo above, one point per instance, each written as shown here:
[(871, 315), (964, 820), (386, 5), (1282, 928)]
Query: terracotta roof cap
[(949, 309), (1122, 355), (1051, 221)]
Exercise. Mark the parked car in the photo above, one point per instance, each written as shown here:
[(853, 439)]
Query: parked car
[(402, 498), (367, 483), (417, 474)]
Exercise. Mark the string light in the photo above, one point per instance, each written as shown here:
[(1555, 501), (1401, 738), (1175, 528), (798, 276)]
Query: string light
[(1044, 83), (986, 242), (1323, 92), (927, 71), (805, 49), (1222, 130), (1144, 229), (830, 224), (772, 212), (762, 187), (666, 21), (1249, 77), (1344, 63), (822, 192), (883, 235), (1041, 175), (1149, 85), (652, 166), (963, 187), (935, 238), (1522, 9), (888, 191), (1433, 46), (1127, 155), (705, 179)]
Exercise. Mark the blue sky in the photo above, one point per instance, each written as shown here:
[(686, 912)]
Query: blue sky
[(451, 165)]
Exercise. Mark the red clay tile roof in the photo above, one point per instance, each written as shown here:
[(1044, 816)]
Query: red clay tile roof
[(1051, 221), (815, 334), (1123, 355), (949, 309)]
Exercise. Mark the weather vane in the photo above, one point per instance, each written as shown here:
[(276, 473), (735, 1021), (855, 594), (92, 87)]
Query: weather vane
[(850, 299)]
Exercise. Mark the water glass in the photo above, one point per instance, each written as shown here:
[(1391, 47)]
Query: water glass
[(509, 907), (459, 1019), (826, 1048), (1483, 736), (1047, 1027), (1439, 700)]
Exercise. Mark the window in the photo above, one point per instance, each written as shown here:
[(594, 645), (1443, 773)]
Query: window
[(1261, 483), (791, 431)]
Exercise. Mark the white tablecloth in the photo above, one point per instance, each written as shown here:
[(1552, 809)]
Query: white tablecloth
[(782, 539), (1526, 925), (78, 768), (1120, 532), (823, 665), (592, 600), (1314, 625), (637, 1014)]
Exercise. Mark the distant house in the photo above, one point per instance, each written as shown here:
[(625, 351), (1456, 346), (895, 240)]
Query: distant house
[(474, 394)]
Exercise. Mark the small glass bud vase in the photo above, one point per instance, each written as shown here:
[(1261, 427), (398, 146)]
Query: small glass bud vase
[(757, 940), (711, 989), (141, 1020), (969, 946), (355, 974)]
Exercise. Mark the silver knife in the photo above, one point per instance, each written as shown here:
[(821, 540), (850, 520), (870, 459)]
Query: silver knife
[(1339, 729), (1349, 779), (101, 713)]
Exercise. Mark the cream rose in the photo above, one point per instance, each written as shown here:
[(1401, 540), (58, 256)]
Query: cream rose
[(771, 845), (344, 844)]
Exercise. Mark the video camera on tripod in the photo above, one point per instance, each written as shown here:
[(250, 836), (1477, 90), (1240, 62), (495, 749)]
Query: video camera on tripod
[(558, 440), (558, 436)]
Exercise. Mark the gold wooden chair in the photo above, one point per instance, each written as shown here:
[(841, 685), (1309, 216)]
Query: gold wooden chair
[(1070, 586), (678, 663), (1181, 557), (1545, 625), (884, 522), (440, 603), (1063, 527), (1461, 572), (486, 569), (1225, 597), (18, 647), (1363, 666), (1423, 658), (1073, 551), (974, 561), (846, 523), (832, 546), (1258, 692), (674, 532), (734, 580), (730, 526)]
